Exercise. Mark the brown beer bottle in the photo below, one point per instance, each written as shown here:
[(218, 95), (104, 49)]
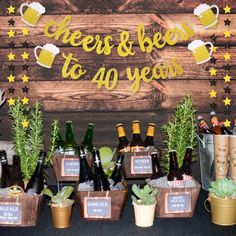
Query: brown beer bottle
[(16, 176), (215, 123), (124, 145), (224, 129), (186, 166), (203, 127), (156, 167), (6, 174), (174, 173), (137, 141), (149, 141)]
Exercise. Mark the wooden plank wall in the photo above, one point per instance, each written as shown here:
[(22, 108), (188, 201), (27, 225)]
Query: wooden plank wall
[(80, 101)]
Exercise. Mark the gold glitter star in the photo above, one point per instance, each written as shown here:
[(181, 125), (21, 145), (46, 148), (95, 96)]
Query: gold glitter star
[(11, 56), (25, 56), (11, 9), (25, 79), (227, 9), (227, 101), (25, 123), (11, 34), (227, 56), (25, 100), (227, 78), (25, 32), (215, 49), (227, 123), (227, 34), (213, 71), (11, 78), (11, 101), (213, 93)]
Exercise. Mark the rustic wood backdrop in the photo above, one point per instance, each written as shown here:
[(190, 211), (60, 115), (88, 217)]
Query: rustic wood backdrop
[(80, 101)]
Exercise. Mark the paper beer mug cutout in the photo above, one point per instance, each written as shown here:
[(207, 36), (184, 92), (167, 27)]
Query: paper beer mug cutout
[(32, 13), (200, 51), (46, 55), (206, 16)]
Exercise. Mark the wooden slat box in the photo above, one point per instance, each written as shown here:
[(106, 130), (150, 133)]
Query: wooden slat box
[(20, 211), (133, 160), (62, 169), (177, 202), (96, 205)]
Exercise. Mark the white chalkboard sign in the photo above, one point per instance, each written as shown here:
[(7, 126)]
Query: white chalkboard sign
[(70, 167), (178, 202), (97, 207), (141, 163), (10, 213)]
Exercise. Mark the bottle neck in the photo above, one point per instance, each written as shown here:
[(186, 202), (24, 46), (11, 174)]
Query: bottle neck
[(88, 138), (69, 132), (136, 128), (173, 161), (121, 132), (151, 130)]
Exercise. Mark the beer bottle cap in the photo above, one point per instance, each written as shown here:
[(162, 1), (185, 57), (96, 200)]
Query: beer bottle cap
[(135, 121), (120, 124), (151, 124)]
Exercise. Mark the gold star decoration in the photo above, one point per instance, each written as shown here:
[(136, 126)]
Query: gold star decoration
[(25, 32), (227, 78), (227, 9), (214, 49), (11, 9), (227, 56), (25, 79), (11, 34), (227, 123), (11, 101), (25, 56), (11, 56), (227, 34), (213, 93), (25, 123), (227, 101), (11, 78), (25, 100), (213, 71)]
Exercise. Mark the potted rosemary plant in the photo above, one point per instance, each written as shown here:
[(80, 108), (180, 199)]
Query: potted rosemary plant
[(222, 198), (144, 202), (61, 206), (180, 132), (27, 135)]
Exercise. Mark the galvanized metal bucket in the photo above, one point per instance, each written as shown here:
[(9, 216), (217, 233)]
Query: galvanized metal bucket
[(206, 154)]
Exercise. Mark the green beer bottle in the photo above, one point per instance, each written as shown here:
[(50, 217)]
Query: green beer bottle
[(88, 138), (70, 145)]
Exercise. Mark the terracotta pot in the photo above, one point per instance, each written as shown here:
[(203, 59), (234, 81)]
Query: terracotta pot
[(144, 214), (61, 215)]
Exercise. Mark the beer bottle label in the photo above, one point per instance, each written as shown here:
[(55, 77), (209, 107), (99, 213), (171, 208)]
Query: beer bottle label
[(121, 131), (136, 128), (150, 131), (69, 151), (126, 149)]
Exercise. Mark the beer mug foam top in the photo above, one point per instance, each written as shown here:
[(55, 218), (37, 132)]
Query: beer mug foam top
[(37, 7), (206, 15), (46, 55), (200, 9), (200, 51), (51, 48), (32, 13)]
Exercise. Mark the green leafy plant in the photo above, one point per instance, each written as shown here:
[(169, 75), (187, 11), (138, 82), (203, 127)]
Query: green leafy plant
[(28, 141), (146, 195), (223, 188), (180, 130), (61, 197)]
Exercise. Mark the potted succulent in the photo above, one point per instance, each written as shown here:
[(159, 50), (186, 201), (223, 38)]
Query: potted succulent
[(222, 198), (61, 206), (144, 202)]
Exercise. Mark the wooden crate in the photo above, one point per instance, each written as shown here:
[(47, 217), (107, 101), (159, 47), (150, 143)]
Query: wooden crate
[(58, 161), (127, 167), (117, 203), (20, 211), (177, 202)]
